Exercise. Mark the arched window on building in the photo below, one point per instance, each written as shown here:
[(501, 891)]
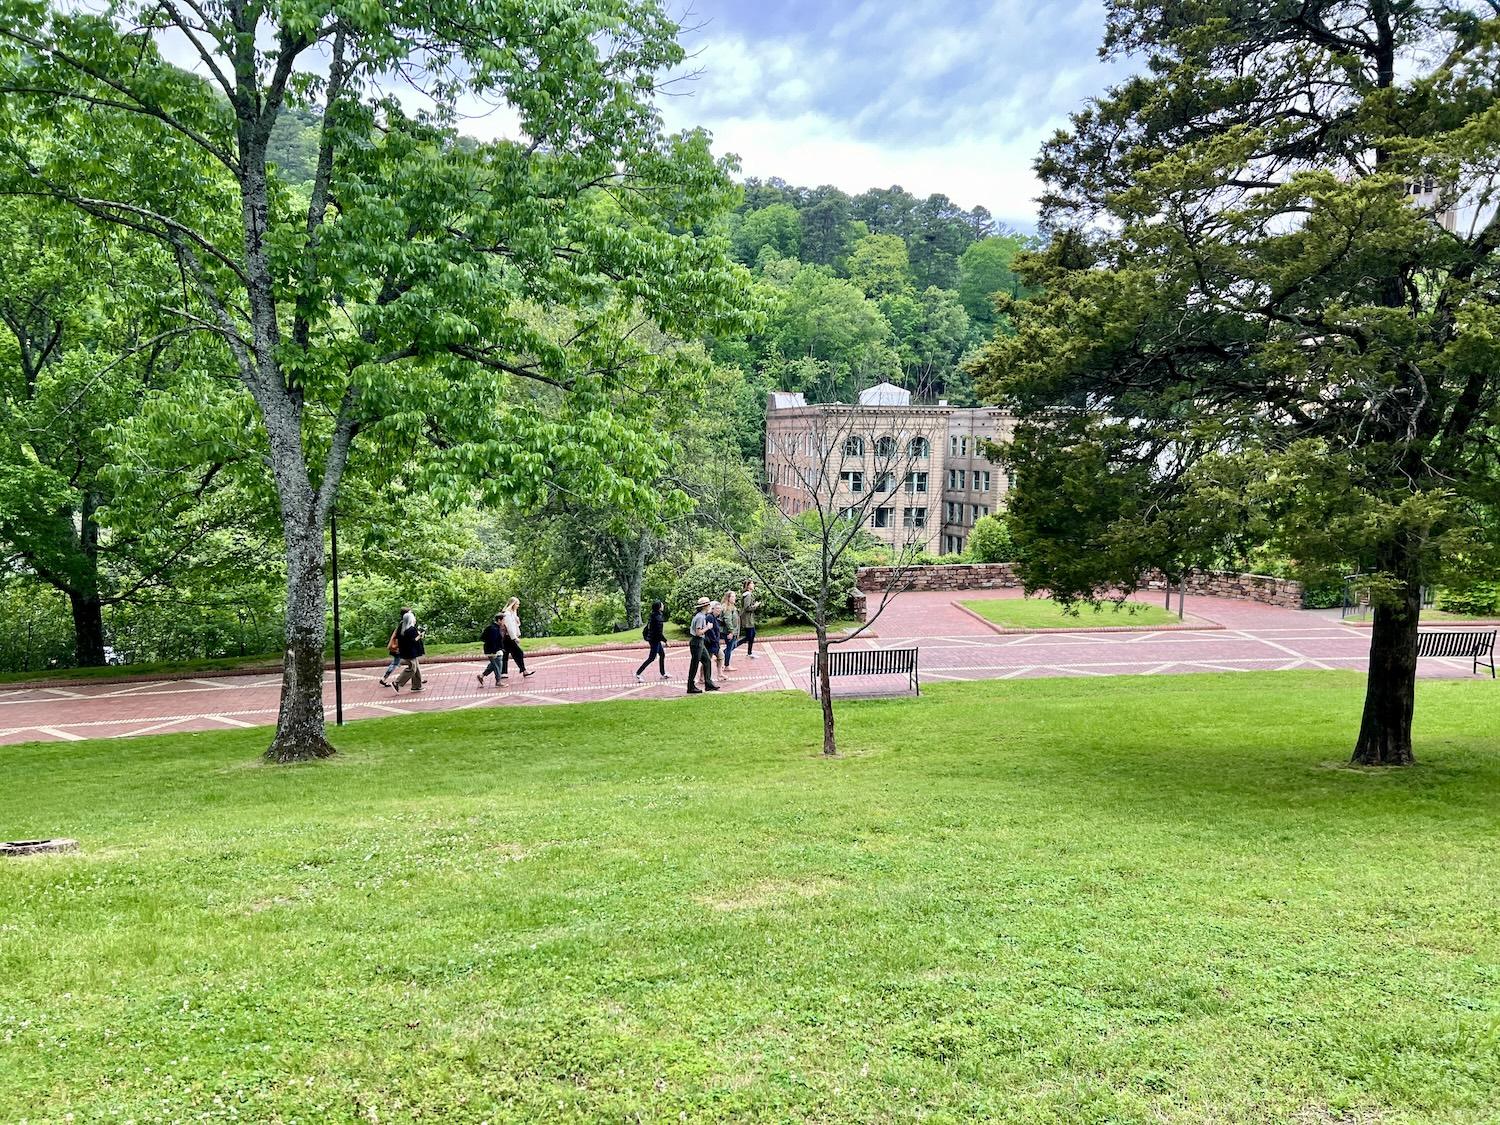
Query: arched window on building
[(919, 447), (885, 447)]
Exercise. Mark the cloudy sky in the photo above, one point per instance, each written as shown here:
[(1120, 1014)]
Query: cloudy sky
[(935, 95)]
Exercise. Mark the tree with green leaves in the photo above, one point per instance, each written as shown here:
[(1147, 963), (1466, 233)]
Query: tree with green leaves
[(880, 265), (985, 269), (826, 229), (778, 227), (1270, 302), (816, 316), (462, 312), (931, 328), (83, 345)]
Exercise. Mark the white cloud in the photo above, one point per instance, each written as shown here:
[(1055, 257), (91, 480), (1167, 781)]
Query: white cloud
[(811, 150), (954, 98)]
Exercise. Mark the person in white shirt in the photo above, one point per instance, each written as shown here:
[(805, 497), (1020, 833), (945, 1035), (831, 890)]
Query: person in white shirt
[(510, 643)]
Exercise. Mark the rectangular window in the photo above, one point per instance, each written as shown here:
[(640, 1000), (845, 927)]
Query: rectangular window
[(961, 480), (959, 539), (884, 517), (914, 517), (963, 447), (853, 479), (885, 482), (916, 482), (953, 446), (981, 481)]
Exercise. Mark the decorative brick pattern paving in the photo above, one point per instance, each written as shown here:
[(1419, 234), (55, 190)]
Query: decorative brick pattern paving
[(954, 646)]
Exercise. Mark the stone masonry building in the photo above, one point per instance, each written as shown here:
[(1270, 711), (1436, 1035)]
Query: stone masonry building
[(918, 474)]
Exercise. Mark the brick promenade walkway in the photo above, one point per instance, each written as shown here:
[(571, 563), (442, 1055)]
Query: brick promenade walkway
[(1233, 637)]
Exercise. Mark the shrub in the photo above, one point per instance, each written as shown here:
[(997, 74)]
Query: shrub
[(707, 579), (1323, 593), (990, 541), (805, 566), (1473, 599)]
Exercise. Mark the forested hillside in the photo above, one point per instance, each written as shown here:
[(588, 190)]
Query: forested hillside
[(865, 288)]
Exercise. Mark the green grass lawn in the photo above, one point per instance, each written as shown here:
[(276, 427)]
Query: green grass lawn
[(1044, 613), (1105, 900), (776, 628)]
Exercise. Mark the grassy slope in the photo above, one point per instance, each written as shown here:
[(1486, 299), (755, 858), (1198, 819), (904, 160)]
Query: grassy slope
[(1075, 901), (1044, 613)]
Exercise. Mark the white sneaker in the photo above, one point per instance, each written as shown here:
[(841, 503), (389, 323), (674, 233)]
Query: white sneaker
[(638, 678), (665, 676)]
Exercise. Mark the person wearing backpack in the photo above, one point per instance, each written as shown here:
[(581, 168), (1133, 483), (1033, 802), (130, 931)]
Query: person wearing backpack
[(493, 639), (393, 647), (654, 634)]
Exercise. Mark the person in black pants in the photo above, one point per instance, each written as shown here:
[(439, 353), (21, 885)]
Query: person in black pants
[(510, 643), (655, 634), (493, 640), (749, 606), (698, 647)]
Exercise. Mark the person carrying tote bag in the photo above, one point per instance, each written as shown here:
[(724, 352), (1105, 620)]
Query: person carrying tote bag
[(393, 647)]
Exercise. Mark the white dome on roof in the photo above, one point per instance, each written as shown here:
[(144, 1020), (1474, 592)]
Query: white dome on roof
[(885, 394)]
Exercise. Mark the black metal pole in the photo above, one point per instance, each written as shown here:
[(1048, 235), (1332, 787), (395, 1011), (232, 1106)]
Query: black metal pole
[(338, 640)]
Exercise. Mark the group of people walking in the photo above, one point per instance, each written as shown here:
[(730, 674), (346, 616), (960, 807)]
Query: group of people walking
[(501, 640), (718, 628)]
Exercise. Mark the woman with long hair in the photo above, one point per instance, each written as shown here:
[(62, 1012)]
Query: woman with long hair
[(655, 635), (510, 643)]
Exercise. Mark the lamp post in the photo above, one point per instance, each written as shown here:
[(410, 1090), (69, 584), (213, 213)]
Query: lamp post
[(338, 645)]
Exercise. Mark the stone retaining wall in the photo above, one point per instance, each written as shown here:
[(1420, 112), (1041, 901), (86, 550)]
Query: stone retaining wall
[(1260, 588), (966, 576)]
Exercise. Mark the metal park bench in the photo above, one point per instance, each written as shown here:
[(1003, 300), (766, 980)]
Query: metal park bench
[(871, 662), (1470, 643)]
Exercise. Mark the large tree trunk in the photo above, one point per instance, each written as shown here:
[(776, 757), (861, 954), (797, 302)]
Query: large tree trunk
[(88, 629), (1391, 685), (300, 723)]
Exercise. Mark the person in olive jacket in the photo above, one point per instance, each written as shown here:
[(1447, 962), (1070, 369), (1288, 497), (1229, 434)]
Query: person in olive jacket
[(749, 605), (655, 635)]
